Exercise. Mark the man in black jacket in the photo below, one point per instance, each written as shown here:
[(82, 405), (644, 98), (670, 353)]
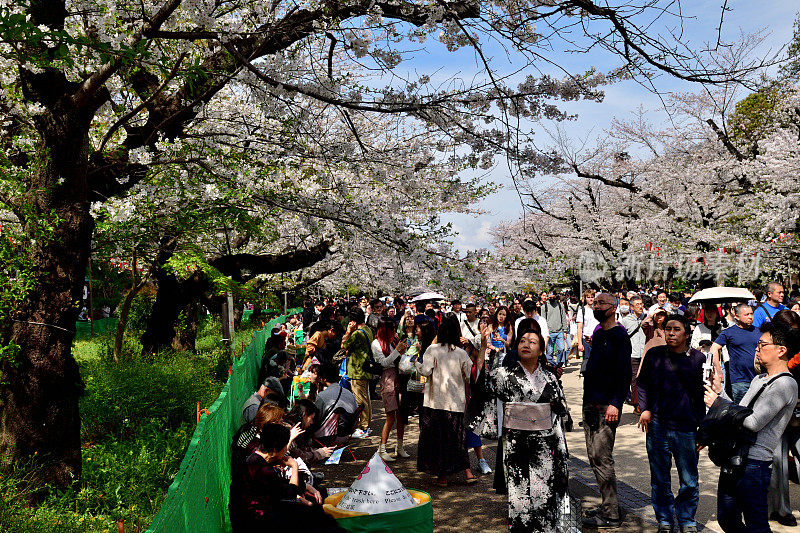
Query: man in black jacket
[(606, 381), (671, 400)]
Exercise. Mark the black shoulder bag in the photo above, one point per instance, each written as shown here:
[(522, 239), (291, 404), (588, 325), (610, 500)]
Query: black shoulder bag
[(731, 456)]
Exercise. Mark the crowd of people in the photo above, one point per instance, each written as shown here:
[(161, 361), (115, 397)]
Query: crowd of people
[(467, 370)]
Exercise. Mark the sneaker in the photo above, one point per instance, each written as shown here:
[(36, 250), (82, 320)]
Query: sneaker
[(599, 521), (401, 452), (484, 466), (688, 529), (386, 457), (665, 528), (359, 434), (784, 520)]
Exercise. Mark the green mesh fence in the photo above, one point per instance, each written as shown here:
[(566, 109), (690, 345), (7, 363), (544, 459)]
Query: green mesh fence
[(197, 500)]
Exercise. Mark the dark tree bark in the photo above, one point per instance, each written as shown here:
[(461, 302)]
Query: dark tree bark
[(186, 328), (174, 296), (39, 405)]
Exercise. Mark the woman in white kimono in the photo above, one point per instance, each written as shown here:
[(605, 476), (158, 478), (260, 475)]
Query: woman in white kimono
[(533, 444)]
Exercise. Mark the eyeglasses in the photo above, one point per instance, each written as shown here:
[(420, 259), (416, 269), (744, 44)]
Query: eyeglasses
[(760, 345)]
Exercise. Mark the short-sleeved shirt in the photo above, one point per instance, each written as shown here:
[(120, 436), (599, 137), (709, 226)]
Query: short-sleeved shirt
[(762, 311), (586, 317), (741, 344)]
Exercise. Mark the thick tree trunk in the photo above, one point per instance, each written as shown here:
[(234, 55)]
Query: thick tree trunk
[(173, 297), (123, 320), (39, 404), (186, 329)]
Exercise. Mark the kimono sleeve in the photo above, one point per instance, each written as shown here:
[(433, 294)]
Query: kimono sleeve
[(484, 423)]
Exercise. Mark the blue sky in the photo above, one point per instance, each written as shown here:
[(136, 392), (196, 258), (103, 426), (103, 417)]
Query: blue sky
[(774, 17)]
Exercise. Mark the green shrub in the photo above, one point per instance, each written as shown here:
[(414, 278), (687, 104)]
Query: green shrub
[(141, 306), (165, 386), (122, 480)]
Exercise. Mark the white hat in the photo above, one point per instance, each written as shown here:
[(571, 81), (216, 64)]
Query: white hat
[(376, 490)]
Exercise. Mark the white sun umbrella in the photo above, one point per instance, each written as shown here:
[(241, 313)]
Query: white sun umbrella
[(722, 294), (428, 296)]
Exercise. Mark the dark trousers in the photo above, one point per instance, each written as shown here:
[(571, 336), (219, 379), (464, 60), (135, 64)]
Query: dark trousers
[(746, 497), (635, 362), (600, 447)]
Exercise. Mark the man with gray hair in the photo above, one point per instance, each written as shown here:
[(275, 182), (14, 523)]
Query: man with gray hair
[(632, 322), (741, 340)]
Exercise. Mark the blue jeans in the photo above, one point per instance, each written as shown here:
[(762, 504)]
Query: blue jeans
[(746, 496), (555, 342), (739, 390), (662, 445)]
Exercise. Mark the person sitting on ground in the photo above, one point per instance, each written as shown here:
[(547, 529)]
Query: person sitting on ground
[(271, 391), (275, 343), (245, 441), (305, 414), (337, 407), (262, 499), (312, 374)]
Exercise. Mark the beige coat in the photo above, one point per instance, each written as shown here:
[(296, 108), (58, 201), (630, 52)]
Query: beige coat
[(447, 371)]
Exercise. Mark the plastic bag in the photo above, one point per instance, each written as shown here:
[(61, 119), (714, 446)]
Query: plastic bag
[(406, 365)]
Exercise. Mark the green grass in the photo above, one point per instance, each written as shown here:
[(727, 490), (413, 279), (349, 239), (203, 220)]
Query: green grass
[(137, 418)]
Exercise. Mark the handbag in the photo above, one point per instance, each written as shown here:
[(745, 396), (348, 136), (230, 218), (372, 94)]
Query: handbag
[(415, 384), (339, 356), (370, 366)]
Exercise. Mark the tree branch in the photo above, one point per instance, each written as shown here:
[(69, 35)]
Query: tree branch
[(243, 267)]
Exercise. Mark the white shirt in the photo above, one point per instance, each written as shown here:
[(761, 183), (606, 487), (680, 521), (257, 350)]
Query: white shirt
[(542, 324), (586, 317), (475, 337)]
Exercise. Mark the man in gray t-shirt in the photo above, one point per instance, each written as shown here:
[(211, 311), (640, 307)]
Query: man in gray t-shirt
[(555, 313), (747, 496)]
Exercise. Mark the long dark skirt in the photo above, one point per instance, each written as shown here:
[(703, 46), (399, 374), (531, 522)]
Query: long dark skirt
[(442, 442)]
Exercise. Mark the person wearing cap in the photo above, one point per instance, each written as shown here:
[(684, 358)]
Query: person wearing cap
[(270, 390)]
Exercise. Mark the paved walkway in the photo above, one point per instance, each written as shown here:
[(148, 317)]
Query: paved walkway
[(461, 507)]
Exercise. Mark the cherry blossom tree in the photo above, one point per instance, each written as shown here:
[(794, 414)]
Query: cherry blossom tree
[(702, 195), (104, 100)]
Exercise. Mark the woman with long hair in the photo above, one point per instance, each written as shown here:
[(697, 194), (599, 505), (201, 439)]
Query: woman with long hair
[(532, 442), (442, 434), (653, 327), (502, 329), (305, 415), (386, 350), (710, 328)]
